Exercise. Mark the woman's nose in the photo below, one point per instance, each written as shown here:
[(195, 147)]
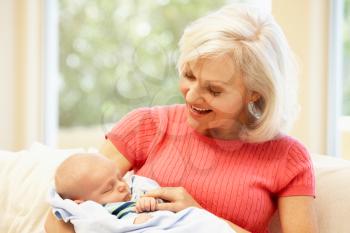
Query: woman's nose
[(193, 95)]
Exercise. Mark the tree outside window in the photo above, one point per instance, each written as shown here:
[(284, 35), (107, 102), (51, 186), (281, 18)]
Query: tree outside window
[(119, 55)]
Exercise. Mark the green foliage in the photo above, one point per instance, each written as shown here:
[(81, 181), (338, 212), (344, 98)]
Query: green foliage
[(119, 55)]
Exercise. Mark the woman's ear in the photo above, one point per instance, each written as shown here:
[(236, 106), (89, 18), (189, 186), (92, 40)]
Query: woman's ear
[(254, 96)]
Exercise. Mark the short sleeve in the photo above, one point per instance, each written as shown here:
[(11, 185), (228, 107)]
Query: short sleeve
[(134, 135), (297, 176)]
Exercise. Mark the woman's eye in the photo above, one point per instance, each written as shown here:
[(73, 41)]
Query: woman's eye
[(214, 93), (189, 77)]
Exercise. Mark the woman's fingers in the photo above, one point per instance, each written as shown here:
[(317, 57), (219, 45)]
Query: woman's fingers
[(166, 193), (177, 198), (161, 193), (170, 206)]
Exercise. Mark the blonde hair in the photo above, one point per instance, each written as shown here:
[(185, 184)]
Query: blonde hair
[(258, 47)]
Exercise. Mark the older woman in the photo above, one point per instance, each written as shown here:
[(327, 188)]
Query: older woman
[(225, 149)]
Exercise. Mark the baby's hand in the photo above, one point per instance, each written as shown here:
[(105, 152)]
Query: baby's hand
[(141, 218), (146, 204)]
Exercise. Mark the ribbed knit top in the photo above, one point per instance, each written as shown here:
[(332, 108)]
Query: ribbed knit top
[(238, 181)]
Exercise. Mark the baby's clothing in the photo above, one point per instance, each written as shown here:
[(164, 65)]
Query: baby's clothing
[(139, 185), (91, 217), (121, 209)]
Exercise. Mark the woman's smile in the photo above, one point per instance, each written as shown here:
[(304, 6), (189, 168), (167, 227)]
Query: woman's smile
[(198, 112)]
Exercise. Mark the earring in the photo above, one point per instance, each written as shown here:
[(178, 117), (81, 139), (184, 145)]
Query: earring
[(253, 110)]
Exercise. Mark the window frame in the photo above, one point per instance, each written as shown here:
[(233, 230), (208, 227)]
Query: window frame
[(335, 77), (51, 72)]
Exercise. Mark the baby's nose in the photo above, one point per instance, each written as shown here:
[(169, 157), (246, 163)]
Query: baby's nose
[(122, 186)]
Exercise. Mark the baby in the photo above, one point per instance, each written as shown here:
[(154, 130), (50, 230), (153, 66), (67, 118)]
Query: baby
[(93, 177)]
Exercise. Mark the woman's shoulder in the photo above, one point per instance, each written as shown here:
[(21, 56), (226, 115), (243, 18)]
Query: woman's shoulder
[(170, 110), (163, 118), (166, 114), (293, 146), (160, 109), (156, 112), (286, 146), (287, 140), (295, 171)]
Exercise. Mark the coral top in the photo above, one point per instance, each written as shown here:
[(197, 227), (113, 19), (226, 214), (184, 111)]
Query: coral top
[(237, 181)]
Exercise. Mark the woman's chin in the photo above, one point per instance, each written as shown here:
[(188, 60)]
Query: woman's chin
[(193, 123), (197, 126)]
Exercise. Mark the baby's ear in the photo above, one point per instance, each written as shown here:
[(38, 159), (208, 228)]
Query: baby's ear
[(78, 201)]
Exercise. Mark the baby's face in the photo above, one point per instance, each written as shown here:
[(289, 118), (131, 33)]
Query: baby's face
[(105, 184)]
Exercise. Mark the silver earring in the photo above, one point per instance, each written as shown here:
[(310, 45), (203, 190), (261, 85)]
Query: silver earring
[(253, 110)]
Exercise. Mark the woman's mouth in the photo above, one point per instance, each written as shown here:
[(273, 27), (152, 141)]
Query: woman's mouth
[(199, 111)]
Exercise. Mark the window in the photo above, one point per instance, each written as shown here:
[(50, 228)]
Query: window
[(339, 80), (345, 118), (115, 56)]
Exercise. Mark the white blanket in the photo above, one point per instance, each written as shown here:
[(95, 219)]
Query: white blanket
[(91, 217)]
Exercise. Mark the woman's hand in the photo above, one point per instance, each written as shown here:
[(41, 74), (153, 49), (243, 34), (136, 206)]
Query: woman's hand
[(176, 198)]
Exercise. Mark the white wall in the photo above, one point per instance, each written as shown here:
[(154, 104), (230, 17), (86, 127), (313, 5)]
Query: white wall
[(20, 73), (305, 23), (7, 79)]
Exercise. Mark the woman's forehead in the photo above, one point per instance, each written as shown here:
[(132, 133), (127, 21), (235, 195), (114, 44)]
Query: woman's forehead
[(219, 68)]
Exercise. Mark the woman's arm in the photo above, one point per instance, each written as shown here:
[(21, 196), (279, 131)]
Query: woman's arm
[(109, 150), (52, 225), (178, 199), (297, 214)]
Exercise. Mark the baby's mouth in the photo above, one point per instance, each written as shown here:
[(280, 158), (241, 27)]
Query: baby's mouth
[(127, 196)]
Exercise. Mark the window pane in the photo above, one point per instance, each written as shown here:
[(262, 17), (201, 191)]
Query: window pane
[(345, 119), (119, 55), (346, 63)]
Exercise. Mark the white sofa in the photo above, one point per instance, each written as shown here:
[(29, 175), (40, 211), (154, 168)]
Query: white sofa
[(25, 177)]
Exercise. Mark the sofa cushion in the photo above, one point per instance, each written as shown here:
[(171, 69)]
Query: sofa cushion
[(25, 179)]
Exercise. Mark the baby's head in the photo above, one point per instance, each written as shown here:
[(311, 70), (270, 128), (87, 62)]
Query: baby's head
[(83, 177)]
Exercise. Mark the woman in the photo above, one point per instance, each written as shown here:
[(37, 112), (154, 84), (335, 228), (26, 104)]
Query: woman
[(224, 150)]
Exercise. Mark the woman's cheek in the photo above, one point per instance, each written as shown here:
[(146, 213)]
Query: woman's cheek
[(183, 87), (230, 106)]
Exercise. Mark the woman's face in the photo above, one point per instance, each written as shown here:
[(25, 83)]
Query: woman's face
[(215, 97)]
